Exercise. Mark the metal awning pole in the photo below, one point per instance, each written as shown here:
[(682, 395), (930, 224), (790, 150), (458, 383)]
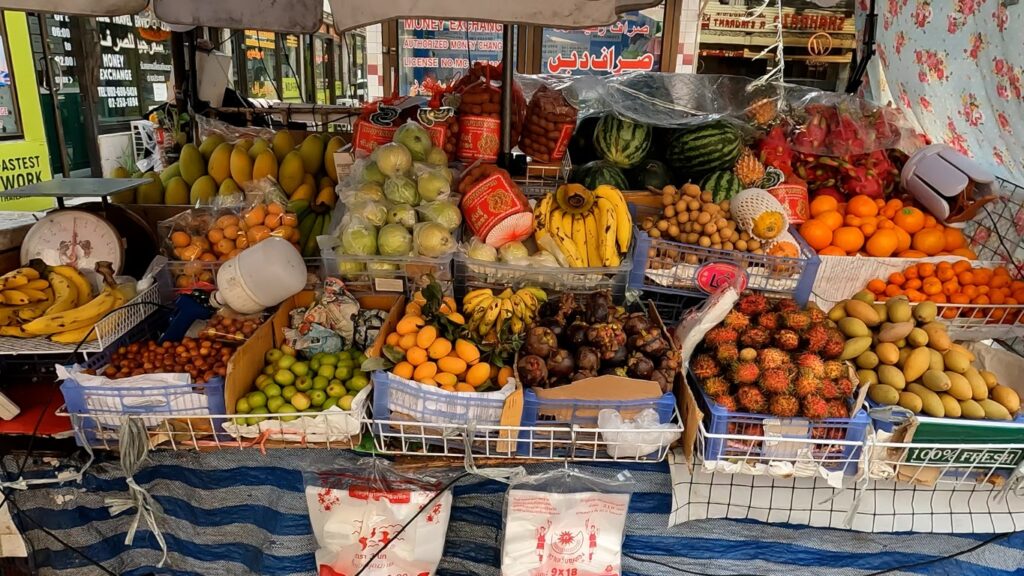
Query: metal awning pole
[(508, 74)]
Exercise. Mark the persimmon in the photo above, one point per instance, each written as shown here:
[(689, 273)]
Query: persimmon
[(911, 272), (966, 278), (982, 276), (916, 296), (893, 290), (897, 278), (926, 269), (912, 284), (963, 265), (876, 285), (950, 288), (931, 286), (945, 273)]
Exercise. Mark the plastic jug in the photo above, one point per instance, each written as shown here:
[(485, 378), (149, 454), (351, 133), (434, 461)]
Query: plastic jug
[(262, 276)]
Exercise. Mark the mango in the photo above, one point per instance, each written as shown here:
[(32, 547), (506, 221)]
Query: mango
[(990, 379), (925, 312), (863, 311), (312, 152), (282, 144), (882, 394), (916, 364), (887, 353), (911, 402), (865, 296), (219, 166), (333, 145), (867, 360), (935, 380), (898, 310), (855, 347), (950, 405), (290, 172), (994, 410), (210, 144), (979, 390), (228, 188), (126, 196), (151, 192), (970, 355), (956, 362), (177, 192), (244, 144), (259, 145), (959, 387), (853, 327), (867, 377), (308, 180), (917, 337), (838, 312), (890, 332), (971, 409), (203, 191), (170, 172), (241, 166), (930, 402), (265, 165), (883, 312), (904, 354), (892, 376), (1008, 397), (937, 336), (936, 363), (192, 164)]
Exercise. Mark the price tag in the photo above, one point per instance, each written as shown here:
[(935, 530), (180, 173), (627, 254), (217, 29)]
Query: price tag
[(343, 162), (389, 285)]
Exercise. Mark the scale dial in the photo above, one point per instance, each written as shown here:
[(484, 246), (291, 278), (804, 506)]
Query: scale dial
[(73, 238)]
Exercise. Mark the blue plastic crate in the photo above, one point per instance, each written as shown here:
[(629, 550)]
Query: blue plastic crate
[(677, 267), (545, 413), (719, 421)]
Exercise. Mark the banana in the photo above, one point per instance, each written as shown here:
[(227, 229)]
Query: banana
[(326, 198), (309, 248), (593, 245), (564, 240), (36, 295), (529, 301), (519, 309), (17, 280), (299, 208), (479, 312), (37, 284), (623, 220), (504, 313), (540, 213), (579, 237), (15, 331), (83, 288), (36, 309), (490, 316), (517, 325), (9, 314), (538, 293), (472, 298), (14, 297), (65, 295), (607, 236), (505, 294), (85, 315), (85, 334), (306, 224)]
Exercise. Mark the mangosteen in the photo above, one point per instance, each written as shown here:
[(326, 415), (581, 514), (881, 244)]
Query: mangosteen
[(656, 347), (560, 364), (541, 341), (618, 358), (582, 375), (554, 326), (599, 307), (639, 366), (635, 323), (533, 371), (613, 371), (587, 359), (663, 379), (606, 338), (671, 360)]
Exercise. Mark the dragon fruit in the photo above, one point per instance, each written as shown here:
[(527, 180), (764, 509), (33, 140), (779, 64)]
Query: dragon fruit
[(774, 150)]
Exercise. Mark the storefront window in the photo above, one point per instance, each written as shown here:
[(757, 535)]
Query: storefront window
[(260, 64), (632, 43), (355, 91), (58, 30), (320, 70), (291, 69), (9, 124), (434, 53), (135, 66)]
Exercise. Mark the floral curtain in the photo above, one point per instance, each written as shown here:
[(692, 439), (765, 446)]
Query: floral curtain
[(955, 68)]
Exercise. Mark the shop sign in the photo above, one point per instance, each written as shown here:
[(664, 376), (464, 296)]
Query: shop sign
[(819, 45), (621, 47), (965, 457), (18, 171), (792, 22), (434, 53), (259, 39)]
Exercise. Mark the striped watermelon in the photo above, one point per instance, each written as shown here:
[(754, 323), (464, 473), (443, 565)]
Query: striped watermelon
[(622, 142), (723, 185), (705, 149), (598, 172)]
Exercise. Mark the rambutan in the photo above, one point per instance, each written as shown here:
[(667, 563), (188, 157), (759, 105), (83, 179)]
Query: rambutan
[(769, 321), (829, 390), (736, 320), (727, 402), (811, 364), (715, 386), (720, 335), (755, 337), (834, 344), (752, 304), (787, 340), (772, 358), (784, 406), (845, 386), (786, 304), (816, 337), (775, 381), (751, 399), (814, 407), (835, 369), (704, 367), (804, 386), (796, 320), (727, 353), (838, 409), (748, 355), (817, 315), (745, 373)]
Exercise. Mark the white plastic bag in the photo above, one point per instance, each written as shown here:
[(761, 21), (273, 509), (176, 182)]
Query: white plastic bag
[(622, 444)]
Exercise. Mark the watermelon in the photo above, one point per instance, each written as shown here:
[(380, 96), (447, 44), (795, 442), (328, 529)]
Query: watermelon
[(622, 142), (650, 174), (598, 172), (705, 149), (723, 185)]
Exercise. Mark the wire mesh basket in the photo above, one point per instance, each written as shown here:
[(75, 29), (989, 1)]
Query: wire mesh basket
[(383, 274), (543, 178)]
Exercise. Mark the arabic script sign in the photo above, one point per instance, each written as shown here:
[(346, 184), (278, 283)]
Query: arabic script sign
[(630, 44)]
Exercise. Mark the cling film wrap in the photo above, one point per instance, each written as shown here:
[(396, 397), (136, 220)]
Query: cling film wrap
[(371, 515), (565, 522), (479, 113), (232, 134)]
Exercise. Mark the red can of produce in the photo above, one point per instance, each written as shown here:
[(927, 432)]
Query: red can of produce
[(479, 138), (496, 210), (793, 196)]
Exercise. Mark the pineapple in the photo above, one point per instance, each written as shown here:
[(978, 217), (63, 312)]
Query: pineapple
[(763, 111), (748, 168)]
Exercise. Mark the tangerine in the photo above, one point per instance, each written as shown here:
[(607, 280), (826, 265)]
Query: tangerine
[(954, 239), (882, 244), (831, 218), (832, 251), (848, 238), (816, 233), (931, 241), (861, 205), (910, 219), (823, 203)]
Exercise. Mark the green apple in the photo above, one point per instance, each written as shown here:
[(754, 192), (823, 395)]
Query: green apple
[(256, 399), (271, 390), (345, 402), (254, 420), (288, 391), (262, 380), (359, 358), (275, 402), (284, 377), (242, 406), (344, 355), (358, 381), (272, 356), (318, 397), (328, 360), (337, 381), (320, 383), (288, 351), (336, 391), (330, 402), (287, 409), (300, 401), (240, 421), (286, 362), (346, 363), (326, 371), (343, 372), (304, 383), (311, 410), (300, 368), (269, 369), (318, 355), (314, 364)]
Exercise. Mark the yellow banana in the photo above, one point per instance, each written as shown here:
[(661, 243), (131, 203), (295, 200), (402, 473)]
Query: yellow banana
[(37, 284), (563, 239), (17, 280), (623, 220), (65, 295), (490, 317), (504, 313), (36, 295), (519, 309), (15, 331), (540, 213), (528, 299), (477, 314), (505, 294), (593, 246), (83, 288), (609, 253), (36, 309), (579, 237), (85, 315), (9, 314), (538, 293), (89, 334), (14, 297), (474, 297), (517, 325)]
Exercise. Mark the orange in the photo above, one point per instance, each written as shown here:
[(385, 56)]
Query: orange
[(911, 272), (982, 276), (969, 291), (403, 370), (831, 218), (966, 253), (877, 286), (910, 219), (999, 281), (945, 273), (903, 239), (981, 299), (939, 298), (851, 220), (931, 241), (426, 337), (897, 279), (868, 229), (891, 207), (416, 356), (882, 244), (478, 375), (962, 265), (966, 278), (926, 269), (951, 288), (823, 203), (439, 348), (832, 251), (180, 239), (960, 299), (425, 370), (954, 239), (816, 233), (930, 221), (848, 238), (932, 286), (467, 351), (861, 205), (912, 284)]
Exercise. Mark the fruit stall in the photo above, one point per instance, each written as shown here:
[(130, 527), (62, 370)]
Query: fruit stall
[(785, 303)]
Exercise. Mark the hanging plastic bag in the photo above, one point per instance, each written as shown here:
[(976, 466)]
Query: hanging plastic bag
[(370, 513), (565, 522)]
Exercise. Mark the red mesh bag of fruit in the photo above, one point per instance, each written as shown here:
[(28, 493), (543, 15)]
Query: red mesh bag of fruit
[(480, 113), (378, 122), (550, 122)]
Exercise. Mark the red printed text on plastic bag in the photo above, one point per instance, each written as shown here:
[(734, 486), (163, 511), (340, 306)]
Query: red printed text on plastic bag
[(368, 136), (479, 138), (490, 202)]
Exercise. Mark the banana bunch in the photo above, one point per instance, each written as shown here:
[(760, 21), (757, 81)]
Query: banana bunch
[(590, 229), (489, 313), (312, 223), (24, 286)]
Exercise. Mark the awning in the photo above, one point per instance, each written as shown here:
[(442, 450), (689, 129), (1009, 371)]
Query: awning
[(304, 16)]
